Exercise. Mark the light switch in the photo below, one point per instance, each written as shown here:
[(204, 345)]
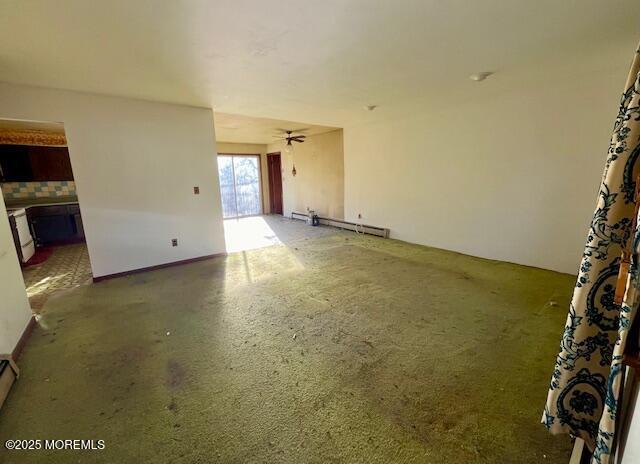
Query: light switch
[(196, 190)]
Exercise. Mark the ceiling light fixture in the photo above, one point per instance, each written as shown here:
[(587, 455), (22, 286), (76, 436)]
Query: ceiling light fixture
[(479, 77), (288, 148)]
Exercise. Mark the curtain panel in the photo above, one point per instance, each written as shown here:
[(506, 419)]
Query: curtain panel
[(585, 388)]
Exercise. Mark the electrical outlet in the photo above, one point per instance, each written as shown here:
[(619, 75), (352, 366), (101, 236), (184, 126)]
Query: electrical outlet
[(196, 190), (174, 242)]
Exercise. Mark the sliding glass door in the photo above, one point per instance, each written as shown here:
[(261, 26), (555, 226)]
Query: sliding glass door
[(240, 185)]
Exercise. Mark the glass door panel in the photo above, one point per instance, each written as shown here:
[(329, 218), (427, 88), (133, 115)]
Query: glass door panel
[(227, 186), (240, 185)]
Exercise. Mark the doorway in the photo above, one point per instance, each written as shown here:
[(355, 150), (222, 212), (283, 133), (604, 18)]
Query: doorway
[(240, 186), (275, 182), (41, 202)]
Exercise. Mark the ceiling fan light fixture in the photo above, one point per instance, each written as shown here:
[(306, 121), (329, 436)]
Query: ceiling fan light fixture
[(288, 148)]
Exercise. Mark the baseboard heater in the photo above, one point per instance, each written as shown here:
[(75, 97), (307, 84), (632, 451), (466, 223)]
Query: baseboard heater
[(340, 224)]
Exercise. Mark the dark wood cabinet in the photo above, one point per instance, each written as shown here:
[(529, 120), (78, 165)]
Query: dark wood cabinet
[(20, 163), (56, 224), (78, 228), (51, 229), (14, 164), (50, 163)]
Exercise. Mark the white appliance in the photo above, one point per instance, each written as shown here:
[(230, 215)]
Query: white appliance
[(24, 234)]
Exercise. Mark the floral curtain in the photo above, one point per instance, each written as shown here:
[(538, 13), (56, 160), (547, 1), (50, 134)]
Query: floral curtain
[(587, 379)]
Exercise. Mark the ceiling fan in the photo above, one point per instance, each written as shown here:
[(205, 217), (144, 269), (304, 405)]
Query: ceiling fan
[(289, 137), (288, 148)]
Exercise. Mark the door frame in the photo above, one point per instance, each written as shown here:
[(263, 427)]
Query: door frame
[(270, 184), (238, 216)]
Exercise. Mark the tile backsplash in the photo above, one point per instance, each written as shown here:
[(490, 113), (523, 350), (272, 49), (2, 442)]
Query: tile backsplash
[(52, 188)]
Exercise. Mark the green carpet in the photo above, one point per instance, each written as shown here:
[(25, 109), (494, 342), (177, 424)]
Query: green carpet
[(334, 349)]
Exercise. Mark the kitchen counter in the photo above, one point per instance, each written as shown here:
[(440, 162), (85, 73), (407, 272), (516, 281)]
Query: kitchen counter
[(25, 203)]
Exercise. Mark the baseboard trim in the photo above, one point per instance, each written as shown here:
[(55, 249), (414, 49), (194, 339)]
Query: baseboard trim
[(156, 267), (24, 338)]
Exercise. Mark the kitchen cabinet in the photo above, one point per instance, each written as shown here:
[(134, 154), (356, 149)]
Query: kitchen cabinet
[(50, 229), (14, 164), (20, 163), (56, 223), (77, 228), (50, 163)]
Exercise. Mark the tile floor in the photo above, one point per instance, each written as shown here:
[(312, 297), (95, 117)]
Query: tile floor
[(67, 267)]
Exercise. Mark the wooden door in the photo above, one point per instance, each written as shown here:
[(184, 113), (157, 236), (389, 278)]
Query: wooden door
[(275, 183)]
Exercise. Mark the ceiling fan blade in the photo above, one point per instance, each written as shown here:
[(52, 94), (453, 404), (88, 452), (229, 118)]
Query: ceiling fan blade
[(297, 140)]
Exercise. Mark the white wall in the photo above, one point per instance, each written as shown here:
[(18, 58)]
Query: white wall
[(15, 311), (135, 164), (510, 174), (319, 180), (252, 149)]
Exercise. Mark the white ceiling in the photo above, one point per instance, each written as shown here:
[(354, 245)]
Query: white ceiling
[(319, 61), (247, 129)]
